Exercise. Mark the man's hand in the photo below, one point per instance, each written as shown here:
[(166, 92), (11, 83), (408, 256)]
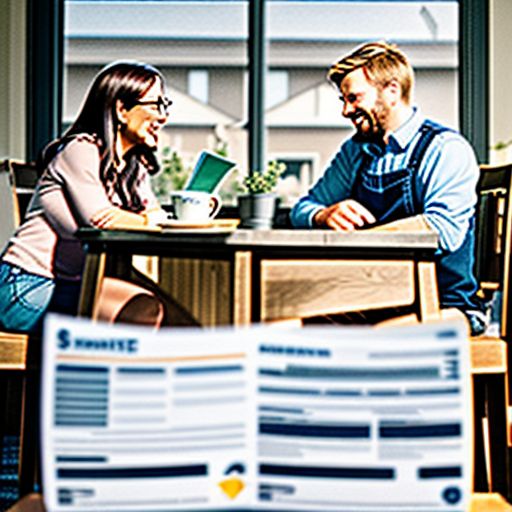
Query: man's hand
[(117, 218), (346, 215)]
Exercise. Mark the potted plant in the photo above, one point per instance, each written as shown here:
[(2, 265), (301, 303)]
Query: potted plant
[(502, 151), (258, 205)]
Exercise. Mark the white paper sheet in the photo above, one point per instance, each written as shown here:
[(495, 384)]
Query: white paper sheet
[(332, 419)]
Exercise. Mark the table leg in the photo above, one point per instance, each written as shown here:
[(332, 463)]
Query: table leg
[(480, 478), (242, 288), (94, 272), (497, 415), (29, 455), (489, 371), (427, 293)]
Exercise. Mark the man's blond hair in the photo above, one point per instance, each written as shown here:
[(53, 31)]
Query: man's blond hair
[(381, 63)]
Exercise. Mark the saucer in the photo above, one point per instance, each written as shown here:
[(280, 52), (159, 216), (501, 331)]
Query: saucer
[(212, 225), (185, 224)]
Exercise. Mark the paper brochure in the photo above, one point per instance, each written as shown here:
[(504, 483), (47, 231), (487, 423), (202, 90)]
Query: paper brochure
[(327, 419), (209, 172)]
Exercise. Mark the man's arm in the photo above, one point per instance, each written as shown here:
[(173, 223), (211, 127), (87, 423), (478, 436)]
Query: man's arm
[(416, 223), (449, 181), (334, 186), (346, 215)]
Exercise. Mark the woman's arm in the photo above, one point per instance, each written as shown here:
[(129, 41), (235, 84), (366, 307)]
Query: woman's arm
[(114, 217), (76, 169)]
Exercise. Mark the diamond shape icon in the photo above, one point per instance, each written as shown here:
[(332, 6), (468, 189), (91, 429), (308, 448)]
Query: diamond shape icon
[(232, 487)]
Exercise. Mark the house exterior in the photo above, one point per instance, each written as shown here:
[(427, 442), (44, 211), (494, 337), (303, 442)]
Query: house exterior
[(201, 47)]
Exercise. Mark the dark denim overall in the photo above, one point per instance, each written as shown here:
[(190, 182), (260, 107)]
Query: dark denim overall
[(394, 196)]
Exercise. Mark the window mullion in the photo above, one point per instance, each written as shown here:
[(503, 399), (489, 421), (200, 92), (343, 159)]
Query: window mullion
[(257, 72)]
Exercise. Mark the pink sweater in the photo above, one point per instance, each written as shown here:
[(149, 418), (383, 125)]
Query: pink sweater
[(67, 196)]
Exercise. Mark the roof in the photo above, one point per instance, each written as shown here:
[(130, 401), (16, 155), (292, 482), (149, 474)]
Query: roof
[(318, 107), (288, 20), (187, 111)]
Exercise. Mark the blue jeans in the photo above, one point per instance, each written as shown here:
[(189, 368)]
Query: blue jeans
[(24, 298), (65, 297)]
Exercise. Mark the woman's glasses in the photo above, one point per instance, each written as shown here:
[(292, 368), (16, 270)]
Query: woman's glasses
[(162, 105)]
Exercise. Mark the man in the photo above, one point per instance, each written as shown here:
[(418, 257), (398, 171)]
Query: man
[(399, 165)]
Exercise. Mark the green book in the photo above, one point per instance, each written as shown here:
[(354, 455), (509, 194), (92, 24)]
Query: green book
[(209, 172)]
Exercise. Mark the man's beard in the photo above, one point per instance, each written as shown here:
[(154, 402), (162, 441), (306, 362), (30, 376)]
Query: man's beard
[(373, 131), (375, 119)]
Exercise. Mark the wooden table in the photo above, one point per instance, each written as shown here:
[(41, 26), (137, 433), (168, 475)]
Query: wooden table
[(249, 276), (480, 502)]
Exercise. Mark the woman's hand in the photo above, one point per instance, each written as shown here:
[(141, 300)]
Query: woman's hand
[(346, 215), (117, 218)]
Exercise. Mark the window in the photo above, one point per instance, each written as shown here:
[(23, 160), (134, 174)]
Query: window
[(198, 84), (277, 88), (44, 83), (207, 61), (201, 49), (296, 179), (304, 38)]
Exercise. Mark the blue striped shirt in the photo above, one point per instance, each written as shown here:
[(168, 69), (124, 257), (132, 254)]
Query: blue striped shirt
[(446, 179)]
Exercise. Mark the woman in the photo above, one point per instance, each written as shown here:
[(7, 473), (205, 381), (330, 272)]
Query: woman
[(97, 174)]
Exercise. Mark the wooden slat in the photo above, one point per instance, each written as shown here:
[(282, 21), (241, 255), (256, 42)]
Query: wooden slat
[(427, 290), (489, 502), (173, 280), (29, 503), (242, 305), (198, 303), (201, 287), (13, 351), (94, 270), (224, 293), (488, 356), (147, 265), (209, 288), (302, 288), (505, 328)]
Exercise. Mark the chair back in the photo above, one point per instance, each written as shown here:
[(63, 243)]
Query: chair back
[(25, 176), (17, 183), (494, 236), (9, 202)]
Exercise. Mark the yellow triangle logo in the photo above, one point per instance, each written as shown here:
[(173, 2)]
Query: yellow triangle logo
[(232, 487)]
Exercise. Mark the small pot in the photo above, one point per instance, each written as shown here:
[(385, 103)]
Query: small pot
[(257, 210)]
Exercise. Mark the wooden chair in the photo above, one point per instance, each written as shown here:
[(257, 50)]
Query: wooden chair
[(18, 367), (119, 301), (489, 354), (494, 238), (25, 176), (493, 251), (9, 201)]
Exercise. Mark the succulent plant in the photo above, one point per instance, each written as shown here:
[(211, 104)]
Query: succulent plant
[(263, 182)]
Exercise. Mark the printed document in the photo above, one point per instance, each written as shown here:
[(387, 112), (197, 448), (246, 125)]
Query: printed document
[(261, 418)]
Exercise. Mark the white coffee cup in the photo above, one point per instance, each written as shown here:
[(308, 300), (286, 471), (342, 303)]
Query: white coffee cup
[(194, 206)]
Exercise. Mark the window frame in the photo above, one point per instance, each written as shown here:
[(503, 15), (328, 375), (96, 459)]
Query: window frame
[(474, 68), (45, 71), (45, 37)]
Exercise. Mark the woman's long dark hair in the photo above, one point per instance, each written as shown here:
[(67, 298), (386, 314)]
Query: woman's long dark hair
[(126, 81)]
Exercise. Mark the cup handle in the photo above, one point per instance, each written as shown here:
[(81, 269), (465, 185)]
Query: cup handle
[(215, 204)]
